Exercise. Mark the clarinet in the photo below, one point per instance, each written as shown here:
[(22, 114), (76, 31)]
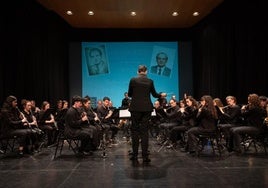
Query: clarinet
[(39, 131), (55, 123), (96, 116), (22, 116)]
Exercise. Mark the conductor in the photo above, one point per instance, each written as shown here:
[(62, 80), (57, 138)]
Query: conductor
[(139, 90)]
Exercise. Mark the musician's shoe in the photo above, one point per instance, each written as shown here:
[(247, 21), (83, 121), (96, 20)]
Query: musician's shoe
[(133, 158), (41, 145), (88, 153), (192, 153), (20, 154), (146, 160), (171, 146), (52, 145)]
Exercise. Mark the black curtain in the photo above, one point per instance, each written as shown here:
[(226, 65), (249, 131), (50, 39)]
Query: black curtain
[(34, 53), (230, 51)]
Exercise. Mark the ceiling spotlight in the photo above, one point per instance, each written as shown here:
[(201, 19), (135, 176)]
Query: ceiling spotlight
[(133, 13), (91, 13), (69, 12), (175, 14), (195, 13)]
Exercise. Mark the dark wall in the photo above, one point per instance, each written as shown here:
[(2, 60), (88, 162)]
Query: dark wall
[(34, 52), (130, 35)]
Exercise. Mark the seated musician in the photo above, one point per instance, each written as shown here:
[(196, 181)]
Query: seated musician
[(229, 116), (160, 117), (173, 119), (253, 116), (35, 138), (75, 128), (188, 120), (14, 124), (47, 123), (93, 122), (60, 115), (105, 115), (206, 122)]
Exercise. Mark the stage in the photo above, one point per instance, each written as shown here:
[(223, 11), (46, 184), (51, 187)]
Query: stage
[(168, 168)]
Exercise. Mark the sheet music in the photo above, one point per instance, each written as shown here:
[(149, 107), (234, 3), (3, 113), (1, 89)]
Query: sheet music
[(126, 114)]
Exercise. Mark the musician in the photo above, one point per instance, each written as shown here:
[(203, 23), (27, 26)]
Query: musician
[(253, 115), (206, 121), (263, 102), (163, 101), (125, 101), (35, 110), (160, 117), (58, 108), (60, 115), (93, 122), (105, 115), (188, 120), (47, 123), (124, 123), (13, 122), (230, 116), (34, 142), (219, 106), (75, 122), (140, 88), (173, 118)]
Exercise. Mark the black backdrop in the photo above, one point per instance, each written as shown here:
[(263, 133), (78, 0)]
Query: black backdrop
[(229, 50)]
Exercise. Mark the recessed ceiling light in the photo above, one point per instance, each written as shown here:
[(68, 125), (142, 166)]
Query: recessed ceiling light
[(133, 13), (69, 12), (195, 13), (91, 13), (175, 14)]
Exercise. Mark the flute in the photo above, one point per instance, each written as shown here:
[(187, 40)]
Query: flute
[(227, 106)]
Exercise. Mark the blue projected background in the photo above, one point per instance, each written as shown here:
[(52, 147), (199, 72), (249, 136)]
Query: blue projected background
[(120, 61)]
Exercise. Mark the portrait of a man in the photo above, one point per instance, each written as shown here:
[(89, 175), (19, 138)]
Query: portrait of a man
[(160, 68), (96, 60)]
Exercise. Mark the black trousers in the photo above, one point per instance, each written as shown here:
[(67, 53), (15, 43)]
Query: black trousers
[(139, 130)]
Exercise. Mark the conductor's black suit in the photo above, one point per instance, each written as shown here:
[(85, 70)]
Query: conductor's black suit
[(140, 108)]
